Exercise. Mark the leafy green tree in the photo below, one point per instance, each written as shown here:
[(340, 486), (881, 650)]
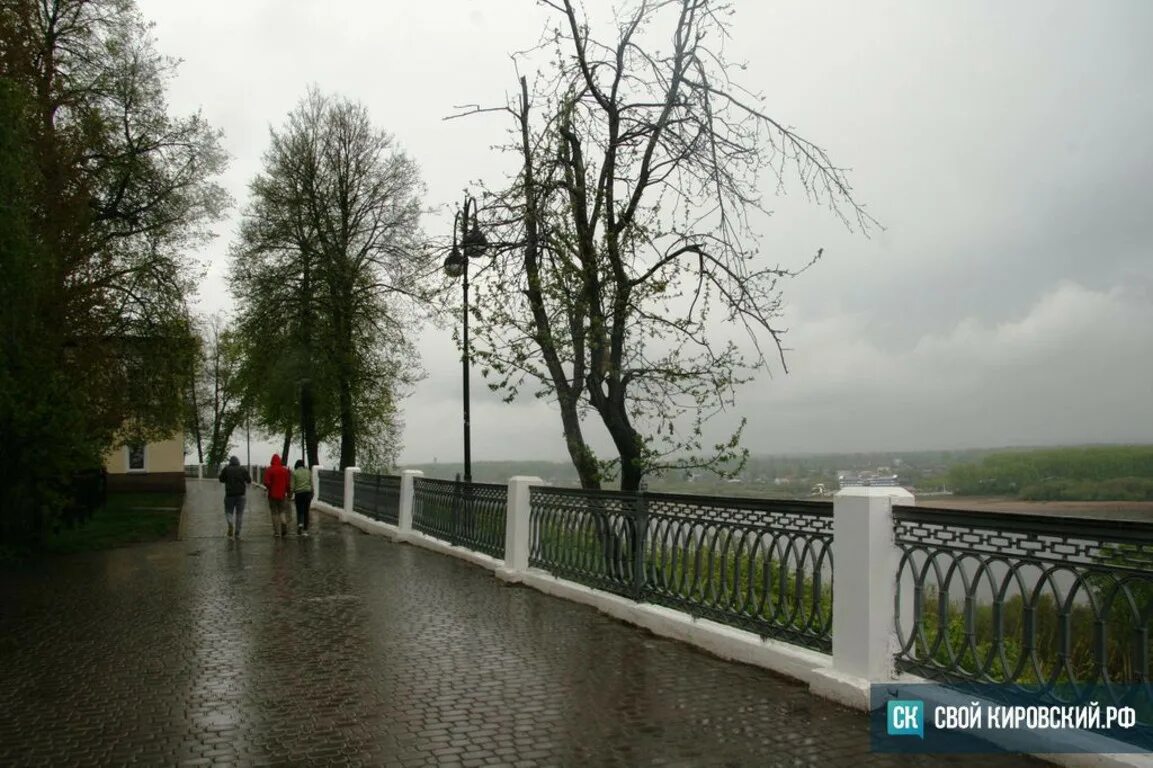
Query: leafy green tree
[(1075, 474), (327, 274), (37, 410), (627, 236), (115, 192)]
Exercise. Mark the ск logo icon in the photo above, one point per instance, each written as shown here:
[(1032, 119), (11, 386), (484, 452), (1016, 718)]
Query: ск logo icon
[(906, 718)]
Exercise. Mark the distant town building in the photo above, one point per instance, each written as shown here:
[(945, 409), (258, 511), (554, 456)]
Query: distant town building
[(875, 479)]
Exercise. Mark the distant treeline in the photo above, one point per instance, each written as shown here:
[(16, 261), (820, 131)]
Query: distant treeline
[(800, 471), (1099, 473)]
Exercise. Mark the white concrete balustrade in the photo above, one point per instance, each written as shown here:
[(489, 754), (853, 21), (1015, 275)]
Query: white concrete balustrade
[(864, 577), (865, 563)]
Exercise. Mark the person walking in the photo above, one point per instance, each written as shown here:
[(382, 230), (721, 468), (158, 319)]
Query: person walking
[(302, 495), (278, 481), (236, 481)]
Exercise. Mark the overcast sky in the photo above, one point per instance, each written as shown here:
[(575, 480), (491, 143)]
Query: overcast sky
[(1007, 148)]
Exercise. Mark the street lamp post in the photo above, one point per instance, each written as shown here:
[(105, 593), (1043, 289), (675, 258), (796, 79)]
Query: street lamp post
[(467, 243)]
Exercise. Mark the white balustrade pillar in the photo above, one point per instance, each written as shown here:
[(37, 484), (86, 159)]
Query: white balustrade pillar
[(517, 527), (865, 561), (349, 492), (407, 490)]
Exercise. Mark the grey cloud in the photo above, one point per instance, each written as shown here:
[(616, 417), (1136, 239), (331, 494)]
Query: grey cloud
[(1007, 148)]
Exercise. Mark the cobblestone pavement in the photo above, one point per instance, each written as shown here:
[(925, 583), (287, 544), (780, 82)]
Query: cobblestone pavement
[(346, 649)]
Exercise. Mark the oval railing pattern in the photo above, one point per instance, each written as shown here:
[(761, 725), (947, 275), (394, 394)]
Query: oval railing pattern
[(331, 490), (470, 515), (1057, 607), (761, 565), (377, 496)]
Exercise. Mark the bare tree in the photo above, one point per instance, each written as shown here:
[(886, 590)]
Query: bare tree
[(628, 231), (217, 394)]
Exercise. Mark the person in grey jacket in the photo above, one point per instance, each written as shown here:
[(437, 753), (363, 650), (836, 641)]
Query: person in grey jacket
[(236, 481)]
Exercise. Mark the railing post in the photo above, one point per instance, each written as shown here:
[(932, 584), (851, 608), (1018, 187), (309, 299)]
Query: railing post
[(349, 492), (865, 560), (404, 512), (517, 526), (454, 535)]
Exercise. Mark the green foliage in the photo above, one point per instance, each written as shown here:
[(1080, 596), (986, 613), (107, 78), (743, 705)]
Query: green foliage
[(1094, 473), (41, 417), (103, 193), (326, 274)]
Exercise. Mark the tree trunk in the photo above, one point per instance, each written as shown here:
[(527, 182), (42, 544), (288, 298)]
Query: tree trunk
[(287, 444), (568, 395), (215, 453), (308, 417), (347, 425), (196, 423), (628, 443), (583, 459), (632, 473)]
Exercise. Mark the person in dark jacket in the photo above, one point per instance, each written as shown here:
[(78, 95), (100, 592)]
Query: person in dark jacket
[(236, 481), (278, 482)]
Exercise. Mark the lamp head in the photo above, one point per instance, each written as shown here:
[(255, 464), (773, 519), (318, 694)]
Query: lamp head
[(454, 263), (474, 242)]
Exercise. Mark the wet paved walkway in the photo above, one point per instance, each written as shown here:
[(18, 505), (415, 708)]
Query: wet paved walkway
[(346, 649)]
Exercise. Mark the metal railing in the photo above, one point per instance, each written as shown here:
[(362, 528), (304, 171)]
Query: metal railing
[(377, 496), (192, 470), (1058, 607), (331, 490), (470, 515), (760, 565)]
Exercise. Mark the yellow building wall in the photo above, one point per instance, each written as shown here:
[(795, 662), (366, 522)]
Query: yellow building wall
[(161, 456)]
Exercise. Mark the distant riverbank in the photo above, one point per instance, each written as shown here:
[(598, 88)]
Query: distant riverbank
[(1101, 510)]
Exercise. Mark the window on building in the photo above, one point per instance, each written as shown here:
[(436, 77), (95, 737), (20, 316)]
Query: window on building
[(136, 457)]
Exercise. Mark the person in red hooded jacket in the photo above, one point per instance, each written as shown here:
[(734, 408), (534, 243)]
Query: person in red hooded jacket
[(277, 481)]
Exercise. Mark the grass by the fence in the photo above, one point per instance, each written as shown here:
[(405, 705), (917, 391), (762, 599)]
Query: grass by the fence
[(128, 518), (442, 516), (984, 646), (728, 582)]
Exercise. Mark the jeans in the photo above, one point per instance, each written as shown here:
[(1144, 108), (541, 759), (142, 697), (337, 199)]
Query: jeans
[(303, 501), (234, 511)]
